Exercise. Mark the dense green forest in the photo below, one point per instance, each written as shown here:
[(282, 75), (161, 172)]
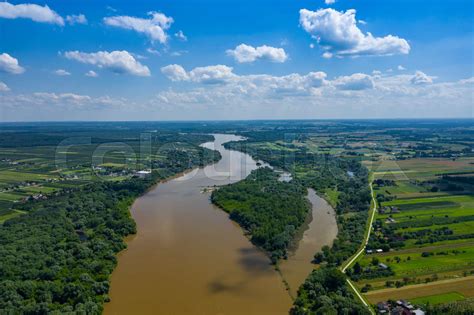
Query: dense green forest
[(271, 211), (325, 292), (58, 256)]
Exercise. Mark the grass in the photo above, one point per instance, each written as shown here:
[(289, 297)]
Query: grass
[(9, 215), (414, 265), (425, 208), (438, 298), (331, 196), (421, 168), (461, 285), (458, 228)]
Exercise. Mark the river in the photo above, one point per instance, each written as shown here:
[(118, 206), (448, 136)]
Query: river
[(189, 258), (320, 229)]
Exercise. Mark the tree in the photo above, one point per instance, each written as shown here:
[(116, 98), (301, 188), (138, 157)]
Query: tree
[(357, 268)]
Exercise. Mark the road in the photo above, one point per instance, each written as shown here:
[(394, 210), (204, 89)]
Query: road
[(373, 210)]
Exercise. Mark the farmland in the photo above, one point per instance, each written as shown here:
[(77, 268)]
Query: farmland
[(422, 245), (38, 161)]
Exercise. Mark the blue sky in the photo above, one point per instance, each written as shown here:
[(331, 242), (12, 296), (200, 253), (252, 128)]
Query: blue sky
[(316, 63)]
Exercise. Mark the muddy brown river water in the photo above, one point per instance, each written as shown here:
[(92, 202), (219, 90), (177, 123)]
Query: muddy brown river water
[(188, 257)]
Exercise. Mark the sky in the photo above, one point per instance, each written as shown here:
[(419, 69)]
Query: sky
[(227, 60)]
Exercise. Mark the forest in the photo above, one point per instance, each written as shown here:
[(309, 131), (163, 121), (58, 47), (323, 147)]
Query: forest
[(58, 256), (325, 292), (269, 210)]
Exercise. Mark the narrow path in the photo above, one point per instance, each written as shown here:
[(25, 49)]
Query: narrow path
[(367, 232), (372, 211)]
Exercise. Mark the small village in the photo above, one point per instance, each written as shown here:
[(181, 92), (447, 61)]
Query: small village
[(399, 307)]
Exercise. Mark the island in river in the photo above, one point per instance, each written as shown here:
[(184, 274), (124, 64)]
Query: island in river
[(189, 258)]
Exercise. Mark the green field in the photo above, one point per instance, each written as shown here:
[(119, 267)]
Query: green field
[(423, 208), (438, 298), (415, 265), (431, 229)]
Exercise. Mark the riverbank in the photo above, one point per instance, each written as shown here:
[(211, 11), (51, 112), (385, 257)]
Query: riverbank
[(321, 230), (188, 257)]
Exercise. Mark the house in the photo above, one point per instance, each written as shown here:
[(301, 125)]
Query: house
[(400, 311), (400, 307), (383, 308), (390, 220), (142, 174)]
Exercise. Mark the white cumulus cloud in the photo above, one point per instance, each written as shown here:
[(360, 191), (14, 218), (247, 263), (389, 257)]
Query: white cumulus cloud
[(467, 81), (217, 74), (311, 94), (76, 19), (246, 53), (10, 64), (154, 28), (91, 74), (338, 35), (354, 82), (115, 61), (222, 77), (329, 1), (62, 72), (421, 78), (33, 12), (175, 73), (180, 35), (4, 87)]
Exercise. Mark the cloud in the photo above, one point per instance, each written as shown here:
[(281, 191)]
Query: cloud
[(33, 12), (67, 97), (4, 87), (154, 28), (329, 1), (421, 78), (115, 61), (354, 82), (221, 75), (62, 72), (180, 35), (218, 74), (153, 51), (76, 19), (337, 34), (467, 81), (9, 64), (246, 53), (401, 68), (314, 95), (175, 73), (58, 101), (91, 74), (212, 74)]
